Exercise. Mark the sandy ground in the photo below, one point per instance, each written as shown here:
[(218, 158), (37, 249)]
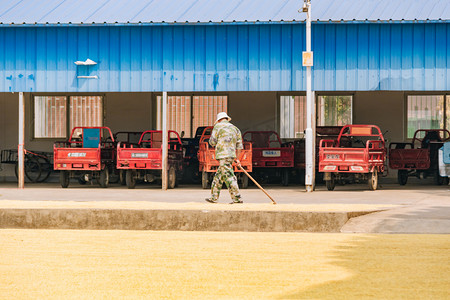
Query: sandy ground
[(61, 264)]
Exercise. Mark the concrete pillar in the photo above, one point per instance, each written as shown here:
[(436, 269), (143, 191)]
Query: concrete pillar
[(164, 141), (20, 148)]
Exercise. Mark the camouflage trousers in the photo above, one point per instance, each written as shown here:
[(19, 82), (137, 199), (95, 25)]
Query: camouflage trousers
[(225, 174)]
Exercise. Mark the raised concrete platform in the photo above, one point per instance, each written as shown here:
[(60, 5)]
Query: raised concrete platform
[(350, 208), (182, 219)]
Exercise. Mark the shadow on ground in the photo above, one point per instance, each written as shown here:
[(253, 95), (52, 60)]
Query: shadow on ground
[(387, 267)]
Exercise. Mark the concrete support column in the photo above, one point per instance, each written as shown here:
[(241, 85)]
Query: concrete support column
[(165, 138), (310, 111), (20, 148)]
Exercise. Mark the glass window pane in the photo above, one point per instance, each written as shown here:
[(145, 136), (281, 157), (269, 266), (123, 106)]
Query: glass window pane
[(50, 117), (292, 116), (299, 114), (334, 110), (182, 111), (425, 112), (86, 111), (178, 111), (206, 108)]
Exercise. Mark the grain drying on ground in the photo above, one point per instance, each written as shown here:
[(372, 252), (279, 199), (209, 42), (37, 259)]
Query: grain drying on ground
[(57, 264)]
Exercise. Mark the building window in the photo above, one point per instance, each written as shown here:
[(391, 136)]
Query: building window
[(186, 113), (427, 112), (292, 116), (206, 108), (179, 114), (51, 118), (334, 110)]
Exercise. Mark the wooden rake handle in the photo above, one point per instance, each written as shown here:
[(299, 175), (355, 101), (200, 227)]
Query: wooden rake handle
[(257, 184)]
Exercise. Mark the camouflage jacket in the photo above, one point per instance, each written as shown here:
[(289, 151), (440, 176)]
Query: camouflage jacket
[(226, 138)]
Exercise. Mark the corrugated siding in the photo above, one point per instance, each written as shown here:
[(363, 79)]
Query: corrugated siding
[(347, 57)]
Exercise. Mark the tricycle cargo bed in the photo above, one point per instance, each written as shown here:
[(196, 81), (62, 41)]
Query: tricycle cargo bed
[(88, 155), (139, 158), (418, 158), (147, 153), (352, 160), (77, 159), (208, 163), (142, 161), (404, 159), (273, 157), (322, 132), (268, 150), (357, 155)]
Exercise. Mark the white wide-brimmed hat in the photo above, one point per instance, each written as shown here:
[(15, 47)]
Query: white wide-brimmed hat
[(222, 115)]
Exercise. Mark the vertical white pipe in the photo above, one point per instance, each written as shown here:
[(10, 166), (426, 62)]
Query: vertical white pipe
[(158, 113), (310, 115), (20, 148), (291, 117), (164, 141)]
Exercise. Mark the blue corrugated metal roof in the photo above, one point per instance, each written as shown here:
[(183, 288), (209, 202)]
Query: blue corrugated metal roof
[(193, 11)]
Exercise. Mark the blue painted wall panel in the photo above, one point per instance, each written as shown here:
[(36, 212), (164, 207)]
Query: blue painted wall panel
[(352, 57), (418, 57), (441, 56), (430, 58), (341, 60), (262, 57), (363, 57), (253, 58), (374, 57)]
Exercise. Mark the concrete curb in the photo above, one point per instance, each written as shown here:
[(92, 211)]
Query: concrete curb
[(184, 220)]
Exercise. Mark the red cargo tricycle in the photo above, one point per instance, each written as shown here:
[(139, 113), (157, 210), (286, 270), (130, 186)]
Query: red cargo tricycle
[(270, 156), (143, 160), (208, 164), (128, 137), (358, 155), (419, 157), (88, 155), (322, 132)]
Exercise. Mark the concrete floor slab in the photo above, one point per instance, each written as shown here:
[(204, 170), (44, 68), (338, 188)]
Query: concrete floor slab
[(403, 208)]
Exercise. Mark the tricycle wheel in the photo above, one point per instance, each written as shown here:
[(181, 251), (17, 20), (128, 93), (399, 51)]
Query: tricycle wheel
[(114, 175), (438, 180), (285, 177), (373, 180), (46, 168), (331, 183), (104, 178), (81, 180), (244, 181), (402, 177), (205, 180), (122, 177), (131, 179), (64, 178), (172, 178), (32, 169)]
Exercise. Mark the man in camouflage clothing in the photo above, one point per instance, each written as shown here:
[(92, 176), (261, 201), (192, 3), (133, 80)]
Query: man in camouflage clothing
[(227, 139)]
